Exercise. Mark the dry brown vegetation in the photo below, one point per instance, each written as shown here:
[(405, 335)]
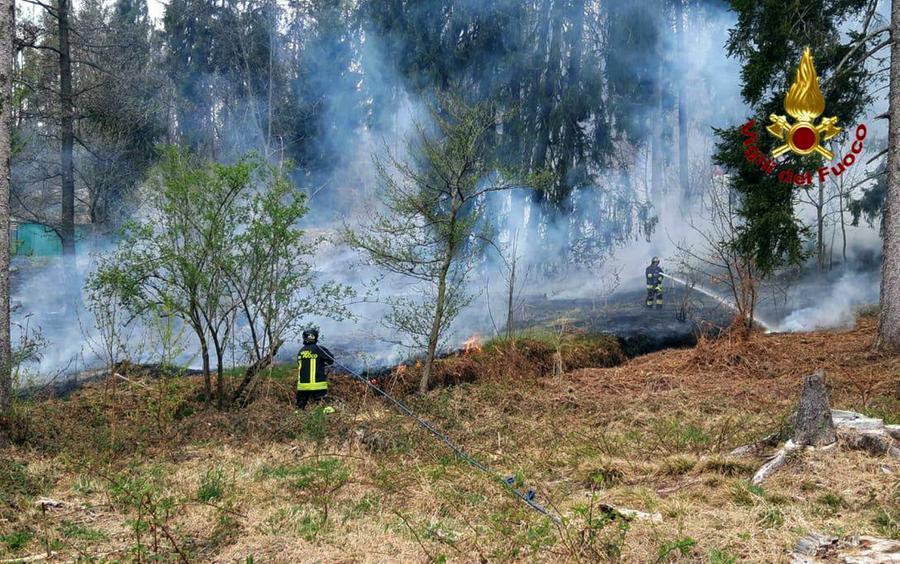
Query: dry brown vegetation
[(148, 473)]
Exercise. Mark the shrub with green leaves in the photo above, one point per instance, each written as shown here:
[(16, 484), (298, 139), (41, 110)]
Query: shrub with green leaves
[(218, 242)]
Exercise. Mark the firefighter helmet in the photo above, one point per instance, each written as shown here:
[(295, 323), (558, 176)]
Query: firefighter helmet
[(310, 336), (655, 260)]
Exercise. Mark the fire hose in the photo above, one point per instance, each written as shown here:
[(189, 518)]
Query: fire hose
[(508, 482)]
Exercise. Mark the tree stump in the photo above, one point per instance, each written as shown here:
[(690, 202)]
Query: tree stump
[(812, 421)]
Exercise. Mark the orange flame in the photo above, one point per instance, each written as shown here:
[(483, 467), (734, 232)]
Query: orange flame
[(472, 344), (804, 101)]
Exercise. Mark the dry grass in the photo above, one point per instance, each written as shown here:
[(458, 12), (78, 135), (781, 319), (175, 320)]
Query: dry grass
[(367, 485)]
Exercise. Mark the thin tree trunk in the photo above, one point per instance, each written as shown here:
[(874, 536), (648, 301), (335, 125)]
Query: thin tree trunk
[(220, 376), (434, 335), (67, 131), (657, 187), (889, 321), (269, 97), (7, 56), (820, 228), (683, 172), (207, 376), (510, 322), (843, 228), (259, 365)]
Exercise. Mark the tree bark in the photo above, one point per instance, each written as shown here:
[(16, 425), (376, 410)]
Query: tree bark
[(7, 56), (843, 228), (812, 422), (435, 334), (67, 131), (657, 150), (220, 377), (510, 321), (820, 227), (683, 172), (259, 365), (889, 320), (207, 377)]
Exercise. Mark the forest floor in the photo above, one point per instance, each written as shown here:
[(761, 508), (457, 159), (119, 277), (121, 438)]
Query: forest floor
[(146, 471)]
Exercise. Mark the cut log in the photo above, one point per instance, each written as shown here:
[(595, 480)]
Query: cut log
[(812, 421), (813, 546), (852, 420), (874, 442), (816, 548)]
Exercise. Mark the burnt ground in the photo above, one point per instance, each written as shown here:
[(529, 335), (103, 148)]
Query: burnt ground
[(641, 330)]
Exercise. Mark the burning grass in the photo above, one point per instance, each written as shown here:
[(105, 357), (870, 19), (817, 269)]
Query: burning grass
[(148, 472)]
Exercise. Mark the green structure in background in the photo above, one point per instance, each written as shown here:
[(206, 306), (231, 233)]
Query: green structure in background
[(36, 240)]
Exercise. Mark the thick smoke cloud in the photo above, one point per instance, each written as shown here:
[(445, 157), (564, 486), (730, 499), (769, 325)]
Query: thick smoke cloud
[(347, 192)]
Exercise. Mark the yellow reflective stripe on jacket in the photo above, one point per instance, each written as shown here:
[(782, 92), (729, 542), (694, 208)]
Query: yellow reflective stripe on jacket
[(313, 384)]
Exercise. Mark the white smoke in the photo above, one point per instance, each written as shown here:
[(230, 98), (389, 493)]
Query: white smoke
[(835, 305)]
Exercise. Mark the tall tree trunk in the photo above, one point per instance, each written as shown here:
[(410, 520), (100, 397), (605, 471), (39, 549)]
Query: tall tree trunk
[(657, 150), (510, 321), (843, 229), (683, 172), (820, 227), (7, 56), (67, 131), (889, 321)]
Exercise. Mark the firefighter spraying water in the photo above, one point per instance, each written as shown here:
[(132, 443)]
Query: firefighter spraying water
[(655, 276), (654, 284)]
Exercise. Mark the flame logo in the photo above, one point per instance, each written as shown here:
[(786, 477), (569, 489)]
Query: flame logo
[(804, 101)]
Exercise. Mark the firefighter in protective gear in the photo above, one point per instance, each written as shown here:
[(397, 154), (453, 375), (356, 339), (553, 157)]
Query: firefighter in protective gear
[(312, 384), (654, 284)]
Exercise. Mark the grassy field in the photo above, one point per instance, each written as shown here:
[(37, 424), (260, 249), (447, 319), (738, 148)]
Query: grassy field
[(148, 473)]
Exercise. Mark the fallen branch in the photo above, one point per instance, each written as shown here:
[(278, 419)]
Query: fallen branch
[(774, 463), (631, 514), (757, 447), (35, 558), (130, 381)]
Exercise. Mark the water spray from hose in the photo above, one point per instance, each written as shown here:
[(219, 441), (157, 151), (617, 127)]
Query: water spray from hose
[(718, 298)]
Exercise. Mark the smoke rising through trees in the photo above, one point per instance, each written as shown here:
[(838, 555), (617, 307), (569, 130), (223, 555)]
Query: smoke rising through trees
[(593, 96)]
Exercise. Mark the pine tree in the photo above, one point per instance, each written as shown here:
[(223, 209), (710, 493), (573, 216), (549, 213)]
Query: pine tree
[(769, 46)]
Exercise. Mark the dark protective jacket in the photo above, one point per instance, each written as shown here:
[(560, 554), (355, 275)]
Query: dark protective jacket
[(311, 363), (654, 275)]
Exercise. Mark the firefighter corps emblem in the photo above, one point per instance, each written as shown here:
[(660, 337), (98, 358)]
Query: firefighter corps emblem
[(804, 103)]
